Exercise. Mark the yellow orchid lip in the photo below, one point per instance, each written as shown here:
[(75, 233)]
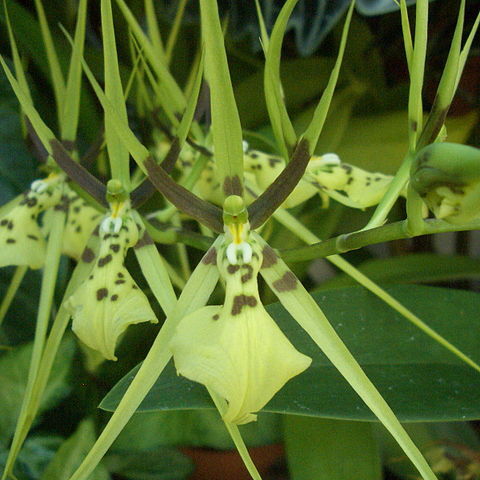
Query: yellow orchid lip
[(236, 230)]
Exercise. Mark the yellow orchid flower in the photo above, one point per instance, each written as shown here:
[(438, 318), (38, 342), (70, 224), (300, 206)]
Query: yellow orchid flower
[(109, 301), (21, 239), (237, 350)]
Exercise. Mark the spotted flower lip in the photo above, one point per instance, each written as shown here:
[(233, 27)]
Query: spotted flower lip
[(21, 239), (109, 301), (237, 350)]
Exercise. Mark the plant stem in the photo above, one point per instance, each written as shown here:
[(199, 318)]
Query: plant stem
[(12, 290), (355, 240)]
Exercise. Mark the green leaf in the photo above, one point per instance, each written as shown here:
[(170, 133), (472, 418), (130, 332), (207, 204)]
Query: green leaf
[(70, 107), (226, 128), (416, 376), (314, 447), (57, 77), (14, 367), (421, 267), (71, 453), (117, 152), (172, 99), (36, 454), (163, 464), (195, 428), (316, 125), (281, 124), (300, 89)]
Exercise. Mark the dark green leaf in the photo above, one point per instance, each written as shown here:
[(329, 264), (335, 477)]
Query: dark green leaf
[(314, 446), (14, 367), (418, 378), (421, 267), (35, 455), (163, 464), (71, 453), (195, 428)]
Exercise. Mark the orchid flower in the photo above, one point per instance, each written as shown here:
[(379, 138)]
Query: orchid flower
[(237, 350), (110, 300)]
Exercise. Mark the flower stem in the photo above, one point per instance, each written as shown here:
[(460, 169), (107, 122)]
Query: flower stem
[(12, 290)]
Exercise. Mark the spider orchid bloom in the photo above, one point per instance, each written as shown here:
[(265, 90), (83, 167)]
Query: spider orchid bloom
[(21, 239), (237, 350), (109, 301)]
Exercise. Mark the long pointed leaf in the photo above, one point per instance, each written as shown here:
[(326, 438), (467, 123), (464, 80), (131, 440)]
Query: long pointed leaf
[(70, 106), (279, 119), (117, 152), (226, 128)]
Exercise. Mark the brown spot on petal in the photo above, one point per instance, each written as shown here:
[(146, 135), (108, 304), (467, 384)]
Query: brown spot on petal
[(241, 301), (102, 293), (11, 240), (104, 260), (115, 247), (32, 237), (144, 241), (287, 283), (62, 206), (272, 161), (88, 255), (31, 201), (247, 276), (113, 298), (232, 186), (269, 257), (216, 316), (231, 269), (210, 258)]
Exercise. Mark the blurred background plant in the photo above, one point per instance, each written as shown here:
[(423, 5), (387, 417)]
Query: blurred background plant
[(366, 127)]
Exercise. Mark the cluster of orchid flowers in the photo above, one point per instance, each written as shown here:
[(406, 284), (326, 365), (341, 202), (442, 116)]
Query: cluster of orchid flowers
[(235, 349)]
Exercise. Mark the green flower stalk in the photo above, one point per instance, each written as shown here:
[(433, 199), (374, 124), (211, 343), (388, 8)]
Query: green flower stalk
[(237, 350), (21, 239), (109, 301)]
